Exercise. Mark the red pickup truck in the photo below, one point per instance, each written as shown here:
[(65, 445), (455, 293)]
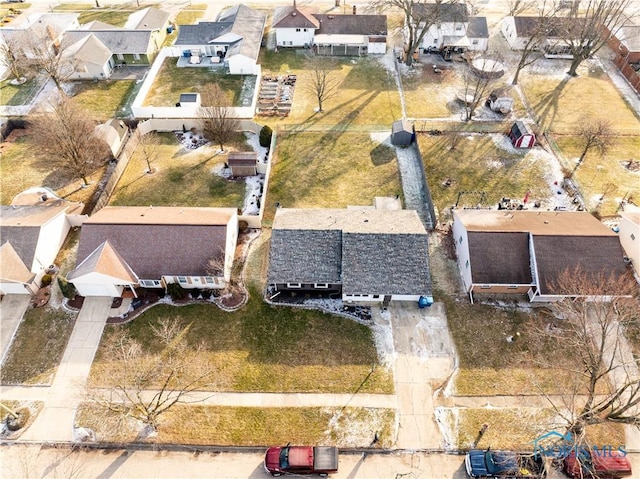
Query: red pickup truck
[(322, 460), (606, 466)]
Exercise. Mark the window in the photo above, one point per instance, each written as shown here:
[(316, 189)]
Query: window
[(182, 279), (120, 56), (513, 286), (466, 265), (485, 286), (633, 237), (136, 56), (458, 27), (294, 285), (149, 283), (322, 285), (304, 30), (475, 42), (297, 29), (435, 41), (376, 296), (460, 240), (210, 280)]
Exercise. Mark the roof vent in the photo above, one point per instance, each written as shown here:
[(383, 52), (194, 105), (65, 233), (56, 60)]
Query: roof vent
[(293, 14), (331, 17), (546, 222)]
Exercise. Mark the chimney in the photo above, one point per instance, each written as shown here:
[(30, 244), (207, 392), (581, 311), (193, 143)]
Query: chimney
[(354, 9), (294, 4)]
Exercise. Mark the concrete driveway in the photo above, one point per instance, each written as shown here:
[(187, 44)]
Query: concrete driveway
[(12, 309)]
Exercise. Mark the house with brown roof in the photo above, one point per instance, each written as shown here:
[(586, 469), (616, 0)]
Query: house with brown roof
[(549, 34), (243, 163), (361, 254), (32, 231), (294, 26), (123, 247), (629, 232), (528, 252)]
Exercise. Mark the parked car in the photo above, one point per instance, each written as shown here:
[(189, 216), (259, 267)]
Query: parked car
[(322, 460), (503, 464), (607, 465)]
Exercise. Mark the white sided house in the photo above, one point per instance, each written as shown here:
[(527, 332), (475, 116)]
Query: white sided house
[(449, 24), (630, 237), (545, 34), (360, 254), (294, 26), (126, 247), (529, 252)]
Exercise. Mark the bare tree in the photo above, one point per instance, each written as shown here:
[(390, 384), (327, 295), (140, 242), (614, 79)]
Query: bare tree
[(12, 56), (324, 80), (606, 386), (587, 27), (478, 82), (595, 134), (67, 137), (420, 16), (148, 148), (516, 7), (219, 122), (454, 136), (145, 385)]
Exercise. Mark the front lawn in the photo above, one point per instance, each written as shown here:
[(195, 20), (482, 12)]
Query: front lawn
[(608, 175), (481, 163), (38, 346), (104, 99), (367, 94), (180, 177), (266, 348), (22, 169), (331, 170), (237, 426), (171, 81)]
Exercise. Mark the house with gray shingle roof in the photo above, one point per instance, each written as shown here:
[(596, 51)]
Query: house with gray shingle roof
[(529, 252), (364, 254), (233, 40), (122, 247)]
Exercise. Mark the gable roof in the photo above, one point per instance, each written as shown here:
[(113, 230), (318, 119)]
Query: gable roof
[(597, 257), (156, 241), (442, 12), (201, 33), (105, 260), (89, 50), (478, 27), (629, 35), (116, 40), (367, 250), (242, 158), (555, 27), (352, 24), (12, 268), (500, 258), (149, 18), (96, 25), (294, 17)]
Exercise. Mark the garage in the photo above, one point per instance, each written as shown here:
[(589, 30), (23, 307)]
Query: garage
[(96, 289)]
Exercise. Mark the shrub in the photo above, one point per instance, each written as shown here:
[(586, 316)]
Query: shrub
[(18, 422), (265, 136), (68, 289), (206, 293), (243, 226), (176, 291), (46, 280)]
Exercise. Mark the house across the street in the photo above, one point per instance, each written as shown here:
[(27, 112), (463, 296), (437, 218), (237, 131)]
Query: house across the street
[(362, 254)]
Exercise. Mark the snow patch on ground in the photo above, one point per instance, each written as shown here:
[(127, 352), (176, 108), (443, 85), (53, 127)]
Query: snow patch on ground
[(447, 420), (383, 339), (254, 142), (252, 196), (504, 143), (355, 427), (411, 175), (558, 198), (382, 137)]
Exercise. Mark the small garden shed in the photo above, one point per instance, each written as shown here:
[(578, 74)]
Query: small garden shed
[(243, 163), (189, 99), (402, 133), (521, 135)]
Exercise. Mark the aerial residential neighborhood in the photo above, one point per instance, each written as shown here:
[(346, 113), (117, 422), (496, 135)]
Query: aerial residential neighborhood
[(367, 239)]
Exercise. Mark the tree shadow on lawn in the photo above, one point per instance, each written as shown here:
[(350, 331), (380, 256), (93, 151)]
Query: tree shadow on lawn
[(548, 104), (382, 154)]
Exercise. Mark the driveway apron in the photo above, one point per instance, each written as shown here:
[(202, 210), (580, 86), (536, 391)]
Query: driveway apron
[(12, 308)]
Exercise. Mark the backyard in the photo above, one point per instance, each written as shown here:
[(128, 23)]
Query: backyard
[(367, 95), (481, 164), (265, 348), (331, 170), (105, 99), (171, 81), (180, 177), (22, 169)]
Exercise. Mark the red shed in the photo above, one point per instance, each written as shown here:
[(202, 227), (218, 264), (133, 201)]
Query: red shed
[(521, 135)]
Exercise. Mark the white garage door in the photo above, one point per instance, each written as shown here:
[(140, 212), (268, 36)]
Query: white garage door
[(97, 290), (13, 288)]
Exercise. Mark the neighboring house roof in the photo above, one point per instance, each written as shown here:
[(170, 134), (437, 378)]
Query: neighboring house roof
[(367, 250), (148, 19), (352, 24), (42, 196), (478, 27), (293, 17), (88, 50), (117, 41), (574, 223), (403, 125), (202, 33), (597, 257), (442, 12), (629, 35), (500, 258), (97, 25), (12, 268), (58, 21), (632, 216), (556, 26), (105, 260), (20, 226), (156, 241)]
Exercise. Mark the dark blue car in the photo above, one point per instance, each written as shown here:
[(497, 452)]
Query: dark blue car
[(502, 464)]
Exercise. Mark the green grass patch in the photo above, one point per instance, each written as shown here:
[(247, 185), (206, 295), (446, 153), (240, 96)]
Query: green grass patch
[(367, 95), (171, 81), (479, 165), (516, 428), (490, 365), (181, 177), (22, 169), (236, 426), (562, 103), (190, 15), (115, 17), (605, 174), (264, 348), (38, 346), (331, 170), (13, 95), (103, 99)]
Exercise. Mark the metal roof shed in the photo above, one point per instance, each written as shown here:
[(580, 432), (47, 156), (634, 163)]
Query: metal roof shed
[(402, 133)]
